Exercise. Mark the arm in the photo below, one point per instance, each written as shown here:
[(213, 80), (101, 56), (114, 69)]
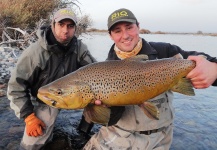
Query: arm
[(205, 73), (84, 56), (18, 86)]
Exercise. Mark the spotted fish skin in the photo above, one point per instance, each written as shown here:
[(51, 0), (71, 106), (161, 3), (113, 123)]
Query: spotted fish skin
[(130, 82), (118, 83)]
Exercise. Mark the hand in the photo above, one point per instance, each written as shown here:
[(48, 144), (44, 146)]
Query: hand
[(99, 102), (204, 74), (34, 125)]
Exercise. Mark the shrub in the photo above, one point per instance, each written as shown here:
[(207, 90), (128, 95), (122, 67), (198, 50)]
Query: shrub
[(25, 13)]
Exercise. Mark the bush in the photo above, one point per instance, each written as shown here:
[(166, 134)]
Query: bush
[(25, 13), (28, 14)]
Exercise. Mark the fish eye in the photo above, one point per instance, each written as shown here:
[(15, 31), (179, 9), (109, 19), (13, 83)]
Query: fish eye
[(58, 92), (53, 103)]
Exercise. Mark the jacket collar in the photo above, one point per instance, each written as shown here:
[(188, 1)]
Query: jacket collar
[(48, 41), (147, 48)]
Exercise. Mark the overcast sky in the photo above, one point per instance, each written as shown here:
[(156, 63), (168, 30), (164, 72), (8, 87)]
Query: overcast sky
[(158, 15)]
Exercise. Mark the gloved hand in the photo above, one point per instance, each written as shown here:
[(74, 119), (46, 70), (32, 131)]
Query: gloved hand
[(34, 125)]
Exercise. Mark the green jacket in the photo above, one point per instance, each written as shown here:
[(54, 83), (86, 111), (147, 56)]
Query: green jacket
[(41, 63)]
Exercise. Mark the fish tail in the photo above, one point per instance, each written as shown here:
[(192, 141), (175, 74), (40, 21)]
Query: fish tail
[(184, 86)]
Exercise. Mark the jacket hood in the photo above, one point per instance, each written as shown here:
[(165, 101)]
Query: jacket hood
[(42, 33)]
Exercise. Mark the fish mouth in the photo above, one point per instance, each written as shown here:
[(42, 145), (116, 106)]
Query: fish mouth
[(50, 101)]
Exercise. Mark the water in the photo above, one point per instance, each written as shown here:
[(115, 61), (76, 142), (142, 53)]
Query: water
[(195, 121), (99, 44)]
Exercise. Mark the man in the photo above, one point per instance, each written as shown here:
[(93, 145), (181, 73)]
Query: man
[(56, 53), (129, 127)]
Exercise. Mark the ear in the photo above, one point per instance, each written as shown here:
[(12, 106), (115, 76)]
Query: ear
[(111, 36), (138, 25)]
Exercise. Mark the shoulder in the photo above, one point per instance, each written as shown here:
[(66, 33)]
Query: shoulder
[(34, 54), (164, 49)]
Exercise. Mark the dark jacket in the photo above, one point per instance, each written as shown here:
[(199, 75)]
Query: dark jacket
[(154, 50), (41, 63)]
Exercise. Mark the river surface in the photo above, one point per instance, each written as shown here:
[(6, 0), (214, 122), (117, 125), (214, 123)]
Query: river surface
[(195, 125)]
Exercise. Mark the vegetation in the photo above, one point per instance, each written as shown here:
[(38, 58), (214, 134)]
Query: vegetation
[(25, 13), (19, 19)]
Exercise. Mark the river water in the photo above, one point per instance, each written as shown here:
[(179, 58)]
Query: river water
[(195, 126)]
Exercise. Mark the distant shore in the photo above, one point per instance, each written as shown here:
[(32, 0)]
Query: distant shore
[(145, 31)]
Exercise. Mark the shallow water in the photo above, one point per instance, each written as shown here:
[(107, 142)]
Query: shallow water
[(195, 121), (195, 125)]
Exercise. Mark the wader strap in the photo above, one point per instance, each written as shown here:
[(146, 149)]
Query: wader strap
[(152, 131)]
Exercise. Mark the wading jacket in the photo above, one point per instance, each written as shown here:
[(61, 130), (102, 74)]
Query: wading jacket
[(131, 117), (41, 63)]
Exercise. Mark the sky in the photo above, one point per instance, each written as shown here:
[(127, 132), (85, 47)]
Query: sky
[(157, 15)]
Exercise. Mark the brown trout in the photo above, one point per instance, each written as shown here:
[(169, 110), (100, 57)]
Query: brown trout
[(131, 81)]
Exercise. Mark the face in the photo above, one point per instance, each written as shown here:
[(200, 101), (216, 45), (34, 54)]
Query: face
[(125, 35), (65, 30)]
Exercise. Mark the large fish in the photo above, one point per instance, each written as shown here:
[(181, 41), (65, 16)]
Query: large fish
[(132, 81)]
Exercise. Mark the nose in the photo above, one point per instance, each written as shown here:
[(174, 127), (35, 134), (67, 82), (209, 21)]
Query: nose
[(125, 34), (65, 29)]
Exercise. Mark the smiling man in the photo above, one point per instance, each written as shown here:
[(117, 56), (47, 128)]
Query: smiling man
[(129, 127)]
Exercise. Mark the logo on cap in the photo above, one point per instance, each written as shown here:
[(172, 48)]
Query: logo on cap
[(117, 15), (66, 12)]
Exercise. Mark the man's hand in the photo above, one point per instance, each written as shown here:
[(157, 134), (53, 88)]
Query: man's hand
[(204, 74), (98, 102), (34, 126)]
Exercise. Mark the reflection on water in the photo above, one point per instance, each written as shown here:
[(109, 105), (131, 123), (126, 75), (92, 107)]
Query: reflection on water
[(195, 121)]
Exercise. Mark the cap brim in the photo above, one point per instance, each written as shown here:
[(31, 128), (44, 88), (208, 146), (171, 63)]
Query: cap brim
[(65, 17), (122, 20)]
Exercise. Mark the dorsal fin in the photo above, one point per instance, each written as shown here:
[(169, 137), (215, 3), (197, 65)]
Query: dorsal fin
[(137, 58), (178, 56)]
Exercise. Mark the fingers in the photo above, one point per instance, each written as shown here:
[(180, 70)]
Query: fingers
[(98, 102), (204, 74), (197, 70), (36, 131), (39, 131)]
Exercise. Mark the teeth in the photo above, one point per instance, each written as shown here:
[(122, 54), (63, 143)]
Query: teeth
[(128, 41)]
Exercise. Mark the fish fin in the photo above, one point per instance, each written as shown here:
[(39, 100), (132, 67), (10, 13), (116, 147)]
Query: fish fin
[(150, 110), (178, 56), (97, 114), (184, 86), (137, 58)]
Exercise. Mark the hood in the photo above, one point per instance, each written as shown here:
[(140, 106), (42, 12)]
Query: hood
[(42, 34)]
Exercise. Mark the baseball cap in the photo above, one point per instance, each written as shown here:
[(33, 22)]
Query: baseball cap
[(65, 13), (121, 15)]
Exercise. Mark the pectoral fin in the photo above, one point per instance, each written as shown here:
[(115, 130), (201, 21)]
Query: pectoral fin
[(150, 110), (97, 114)]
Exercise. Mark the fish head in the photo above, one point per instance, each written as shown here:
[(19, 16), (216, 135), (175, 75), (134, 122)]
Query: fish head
[(70, 95)]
